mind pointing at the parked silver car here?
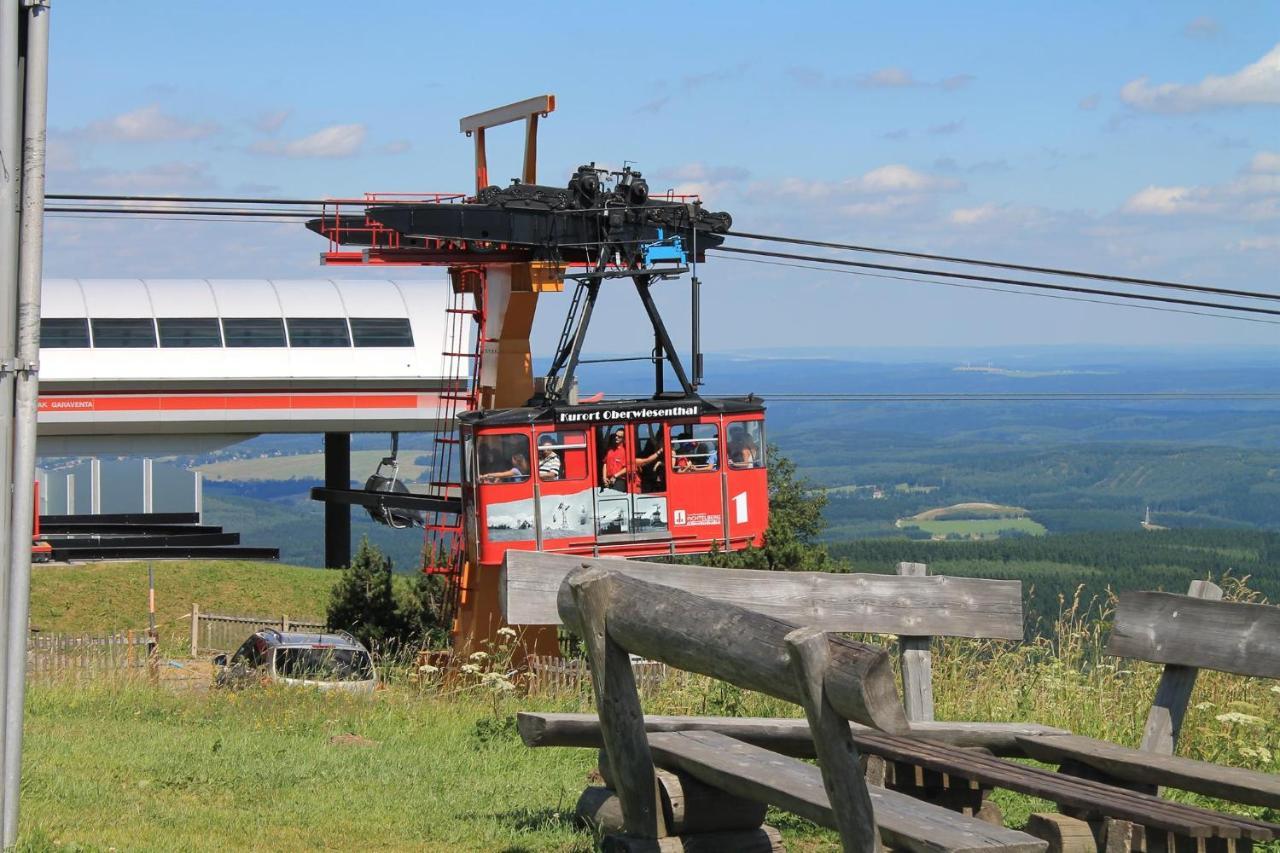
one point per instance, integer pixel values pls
(327, 661)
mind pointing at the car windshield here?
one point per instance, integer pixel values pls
(323, 663)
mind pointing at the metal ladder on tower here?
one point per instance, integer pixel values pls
(444, 549)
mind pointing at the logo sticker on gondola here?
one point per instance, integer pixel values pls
(648, 411)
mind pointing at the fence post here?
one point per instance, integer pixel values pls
(128, 649)
(284, 622)
(195, 629)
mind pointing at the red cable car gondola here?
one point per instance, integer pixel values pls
(639, 478)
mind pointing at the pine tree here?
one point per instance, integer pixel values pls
(363, 601)
(795, 522)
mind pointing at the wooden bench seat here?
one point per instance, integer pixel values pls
(1073, 792)
(789, 736)
(905, 823)
(1250, 787)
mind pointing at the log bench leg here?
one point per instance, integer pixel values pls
(1064, 834)
(942, 789)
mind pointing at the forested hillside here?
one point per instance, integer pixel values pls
(1051, 568)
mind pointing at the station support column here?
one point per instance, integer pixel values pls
(337, 517)
(506, 380)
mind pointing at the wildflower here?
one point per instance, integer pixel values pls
(1203, 706)
(428, 669)
(470, 669)
(1257, 752)
(497, 681)
(1275, 688)
(1243, 719)
(479, 656)
(509, 633)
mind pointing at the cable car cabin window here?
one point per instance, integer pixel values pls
(318, 332)
(694, 448)
(188, 332)
(381, 332)
(64, 333)
(253, 331)
(137, 333)
(745, 440)
(503, 458)
(650, 472)
(562, 456)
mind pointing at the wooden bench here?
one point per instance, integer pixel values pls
(1186, 633)
(910, 605)
(880, 600)
(835, 680)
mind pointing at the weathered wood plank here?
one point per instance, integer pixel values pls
(734, 644)
(837, 756)
(904, 823)
(880, 604)
(621, 718)
(1133, 765)
(1164, 718)
(690, 807)
(1229, 636)
(1067, 791)
(916, 659)
(788, 736)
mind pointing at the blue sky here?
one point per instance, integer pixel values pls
(1140, 139)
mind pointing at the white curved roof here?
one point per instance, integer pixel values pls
(421, 301)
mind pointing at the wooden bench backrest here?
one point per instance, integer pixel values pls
(870, 603)
(1187, 633)
(1229, 636)
(911, 604)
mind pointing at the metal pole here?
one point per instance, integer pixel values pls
(26, 397)
(10, 184)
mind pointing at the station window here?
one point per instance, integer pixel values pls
(132, 333)
(187, 332)
(381, 332)
(503, 458)
(253, 331)
(318, 332)
(562, 456)
(745, 440)
(64, 332)
(695, 447)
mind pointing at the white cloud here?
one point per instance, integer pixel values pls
(700, 179)
(270, 122)
(1202, 27)
(149, 124)
(888, 78)
(1264, 162)
(339, 140)
(1258, 83)
(1256, 244)
(397, 146)
(891, 77)
(896, 178)
(973, 215)
(1254, 194)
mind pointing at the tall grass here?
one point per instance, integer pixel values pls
(434, 763)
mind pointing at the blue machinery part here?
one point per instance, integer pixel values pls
(663, 251)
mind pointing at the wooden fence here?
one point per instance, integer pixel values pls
(212, 633)
(554, 675)
(86, 655)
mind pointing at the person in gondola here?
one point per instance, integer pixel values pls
(742, 449)
(549, 465)
(518, 471)
(614, 469)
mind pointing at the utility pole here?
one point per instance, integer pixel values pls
(26, 397)
(11, 81)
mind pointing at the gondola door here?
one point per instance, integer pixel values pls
(631, 501)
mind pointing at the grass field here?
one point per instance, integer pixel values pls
(308, 466)
(982, 527)
(970, 510)
(135, 767)
(98, 597)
